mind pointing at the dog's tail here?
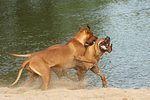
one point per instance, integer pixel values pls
(20, 55)
(20, 71)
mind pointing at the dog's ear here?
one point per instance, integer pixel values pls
(80, 27)
(88, 28)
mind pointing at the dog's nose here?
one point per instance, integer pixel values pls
(107, 38)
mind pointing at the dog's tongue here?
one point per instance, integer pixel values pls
(104, 47)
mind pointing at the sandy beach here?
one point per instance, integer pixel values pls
(67, 90)
(81, 94)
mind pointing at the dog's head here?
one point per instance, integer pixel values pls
(89, 35)
(104, 45)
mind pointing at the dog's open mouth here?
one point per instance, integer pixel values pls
(105, 44)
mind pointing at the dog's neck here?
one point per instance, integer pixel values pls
(80, 37)
(90, 51)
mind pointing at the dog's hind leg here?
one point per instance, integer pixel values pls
(96, 71)
(42, 70)
(46, 79)
(31, 78)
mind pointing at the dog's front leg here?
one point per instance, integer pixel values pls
(81, 74)
(95, 70)
(58, 72)
(64, 71)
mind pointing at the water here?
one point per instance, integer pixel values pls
(29, 26)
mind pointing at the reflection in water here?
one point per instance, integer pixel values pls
(29, 26)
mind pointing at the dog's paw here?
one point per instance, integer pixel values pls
(104, 86)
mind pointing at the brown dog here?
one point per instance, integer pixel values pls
(93, 52)
(40, 62)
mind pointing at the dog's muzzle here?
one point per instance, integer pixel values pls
(105, 44)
